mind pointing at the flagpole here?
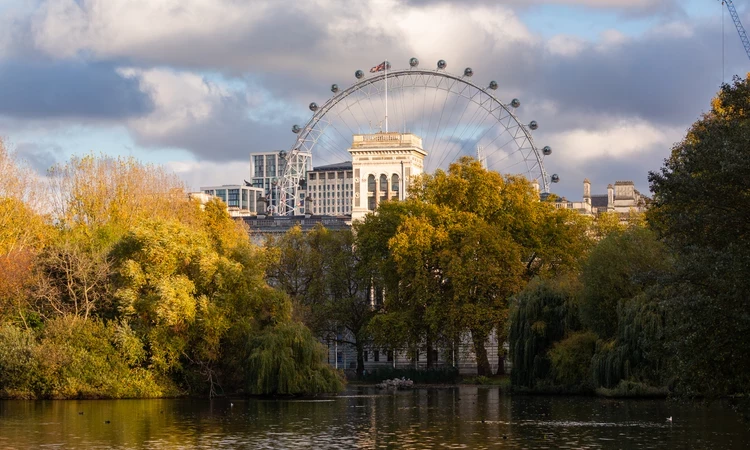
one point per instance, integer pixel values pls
(386, 95)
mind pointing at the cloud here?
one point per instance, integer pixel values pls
(209, 118)
(199, 174)
(56, 89)
(40, 157)
(222, 78)
(633, 7)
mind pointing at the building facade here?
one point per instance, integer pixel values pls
(329, 190)
(241, 200)
(383, 165)
(622, 198)
(266, 168)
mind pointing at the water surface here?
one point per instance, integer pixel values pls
(364, 417)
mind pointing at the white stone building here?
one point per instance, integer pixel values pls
(329, 190)
(622, 198)
(383, 165)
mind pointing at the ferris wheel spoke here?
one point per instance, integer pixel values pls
(456, 116)
(477, 128)
(458, 123)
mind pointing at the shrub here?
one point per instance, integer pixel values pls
(570, 359)
(18, 364)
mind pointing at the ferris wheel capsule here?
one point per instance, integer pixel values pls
(414, 62)
(334, 88)
(515, 103)
(296, 129)
(468, 72)
(442, 64)
(533, 125)
(493, 85)
(547, 150)
(313, 106)
(359, 74)
(555, 178)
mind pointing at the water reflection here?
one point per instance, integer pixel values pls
(465, 417)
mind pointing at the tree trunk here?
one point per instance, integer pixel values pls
(430, 362)
(500, 364)
(483, 363)
(501, 339)
(360, 360)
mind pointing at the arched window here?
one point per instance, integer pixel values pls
(371, 183)
(383, 183)
(395, 183)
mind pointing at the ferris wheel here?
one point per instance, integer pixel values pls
(453, 116)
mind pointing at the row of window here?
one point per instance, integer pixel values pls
(371, 185)
(376, 355)
(329, 187)
(329, 175)
(330, 195)
(332, 210)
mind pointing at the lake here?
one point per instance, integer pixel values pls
(472, 417)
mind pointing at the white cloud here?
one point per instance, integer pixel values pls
(618, 140)
(181, 100)
(197, 174)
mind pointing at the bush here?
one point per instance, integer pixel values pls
(570, 359)
(81, 359)
(18, 364)
(75, 358)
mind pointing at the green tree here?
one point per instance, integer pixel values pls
(621, 266)
(700, 211)
(329, 283)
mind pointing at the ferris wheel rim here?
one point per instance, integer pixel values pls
(309, 135)
(322, 110)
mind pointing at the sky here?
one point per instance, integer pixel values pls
(197, 85)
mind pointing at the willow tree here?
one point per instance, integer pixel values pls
(542, 315)
(700, 210)
(329, 283)
(286, 360)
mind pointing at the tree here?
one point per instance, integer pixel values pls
(466, 241)
(106, 195)
(329, 283)
(542, 315)
(620, 267)
(700, 211)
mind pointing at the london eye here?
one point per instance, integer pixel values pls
(452, 114)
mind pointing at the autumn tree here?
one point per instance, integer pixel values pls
(107, 194)
(461, 246)
(23, 233)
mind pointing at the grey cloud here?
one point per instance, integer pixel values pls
(42, 90)
(228, 134)
(605, 170)
(665, 80)
(39, 156)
